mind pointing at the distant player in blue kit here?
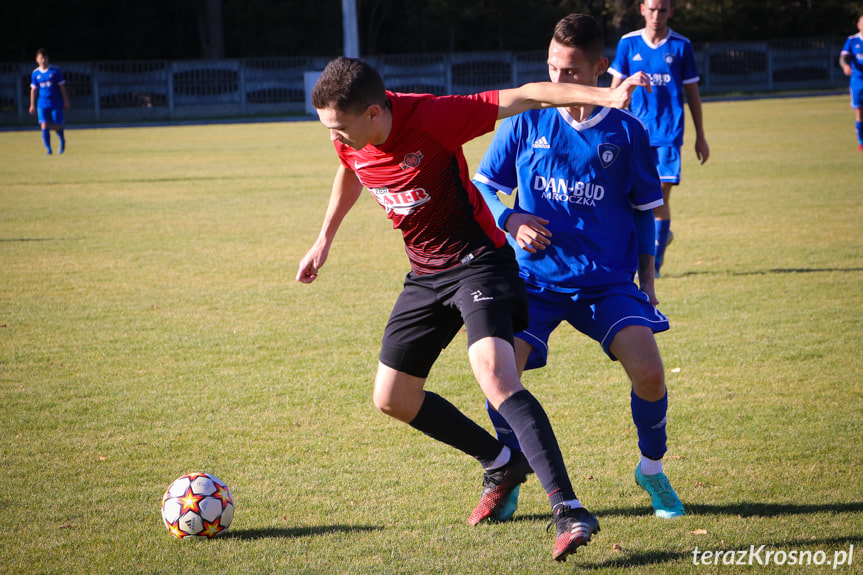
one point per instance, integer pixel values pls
(48, 97)
(669, 60)
(581, 226)
(851, 60)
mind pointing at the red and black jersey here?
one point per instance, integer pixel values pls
(420, 177)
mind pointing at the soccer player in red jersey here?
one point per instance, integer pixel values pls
(406, 149)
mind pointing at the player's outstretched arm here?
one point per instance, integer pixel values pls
(693, 99)
(647, 276)
(551, 95)
(346, 190)
(644, 233)
(845, 63)
(66, 104)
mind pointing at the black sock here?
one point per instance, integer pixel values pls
(539, 444)
(441, 420)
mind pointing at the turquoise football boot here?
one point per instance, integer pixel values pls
(665, 502)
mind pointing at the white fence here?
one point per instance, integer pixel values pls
(167, 90)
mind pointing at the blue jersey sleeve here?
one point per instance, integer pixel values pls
(499, 210)
(646, 192)
(498, 165)
(620, 65)
(689, 71)
(854, 48)
(848, 47)
(497, 170)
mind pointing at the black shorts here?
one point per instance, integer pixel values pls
(486, 295)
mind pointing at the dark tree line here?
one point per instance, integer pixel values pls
(184, 29)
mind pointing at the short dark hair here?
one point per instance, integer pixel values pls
(580, 31)
(348, 85)
(42, 51)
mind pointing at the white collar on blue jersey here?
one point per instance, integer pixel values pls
(598, 114)
(658, 44)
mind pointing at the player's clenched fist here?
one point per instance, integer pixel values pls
(623, 93)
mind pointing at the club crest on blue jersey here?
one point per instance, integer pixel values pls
(607, 154)
(669, 59)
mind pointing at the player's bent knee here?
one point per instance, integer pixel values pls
(389, 405)
(649, 384)
(400, 397)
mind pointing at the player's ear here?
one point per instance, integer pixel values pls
(374, 111)
(601, 66)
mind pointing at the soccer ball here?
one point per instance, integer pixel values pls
(197, 505)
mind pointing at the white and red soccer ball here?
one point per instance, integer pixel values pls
(197, 505)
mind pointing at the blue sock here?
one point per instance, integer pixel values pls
(46, 139)
(504, 431)
(859, 126)
(62, 140)
(662, 228)
(649, 419)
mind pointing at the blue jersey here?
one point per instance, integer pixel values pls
(48, 84)
(854, 47)
(585, 178)
(670, 65)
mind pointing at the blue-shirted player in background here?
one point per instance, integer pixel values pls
(48, 96)
(851, 60)
(669, 59)
(582, 225)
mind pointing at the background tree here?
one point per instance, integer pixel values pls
(180, 29)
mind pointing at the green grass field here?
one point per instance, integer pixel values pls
(150, 326)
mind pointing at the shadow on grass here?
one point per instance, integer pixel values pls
(747, 509)
(629, 559)
(636, 559)
(820, 542)
(760, 272)
(291, 532)
(626, 559)
(22, 240)
(742, 509)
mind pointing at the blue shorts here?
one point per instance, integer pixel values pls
(667, 160)
(856, 93)
(51, 115)
(599, 315)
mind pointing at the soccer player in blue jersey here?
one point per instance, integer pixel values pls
(406, 150)
(851, 60)
(581, 227)
(48, 97)
(669, 59)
